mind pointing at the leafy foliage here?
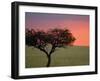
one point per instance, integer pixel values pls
(55, 37)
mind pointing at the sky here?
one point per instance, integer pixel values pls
(77, 24)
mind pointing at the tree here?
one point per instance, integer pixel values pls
(57, 38)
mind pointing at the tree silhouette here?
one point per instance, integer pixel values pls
(57, 38)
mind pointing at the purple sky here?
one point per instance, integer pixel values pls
(77, 24)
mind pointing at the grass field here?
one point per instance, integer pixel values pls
(69, 56)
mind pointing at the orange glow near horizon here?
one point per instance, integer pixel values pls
(80, 30)
(79, 26)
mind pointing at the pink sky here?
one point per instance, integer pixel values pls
(77, 24)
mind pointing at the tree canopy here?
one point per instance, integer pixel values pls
(55, 37)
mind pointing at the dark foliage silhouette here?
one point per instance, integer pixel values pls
(57, 38)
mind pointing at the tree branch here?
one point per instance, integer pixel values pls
(52, 49)
(41, 49)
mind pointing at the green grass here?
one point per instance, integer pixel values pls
(69, 56)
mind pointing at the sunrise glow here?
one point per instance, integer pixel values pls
(77, 24)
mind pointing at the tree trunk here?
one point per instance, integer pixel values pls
(49, 60)
(49, 56)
